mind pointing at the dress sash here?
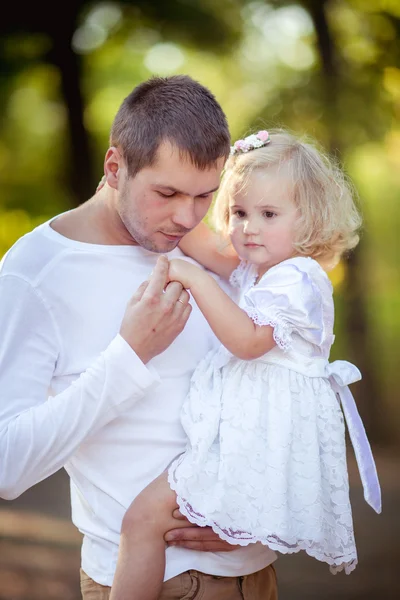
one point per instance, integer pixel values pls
(341, 374)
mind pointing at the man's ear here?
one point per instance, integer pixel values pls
(113, 162)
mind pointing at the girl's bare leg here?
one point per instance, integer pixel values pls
(141, 559)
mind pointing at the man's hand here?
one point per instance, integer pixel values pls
(156, 314)
(193, 537)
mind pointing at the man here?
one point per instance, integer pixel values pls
(93, 378)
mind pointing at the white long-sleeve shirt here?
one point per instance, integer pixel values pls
(73, 393)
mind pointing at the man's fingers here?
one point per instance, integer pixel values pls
(173, 292)
(182, 308)
(184, 297)
(178, 515)
(137, 296)
(178, 523)
(197, 534)
(158, 278)
(186, 313)
(205, 546)
(174, 523)
(194, 537)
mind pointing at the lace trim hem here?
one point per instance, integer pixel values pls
(346, 563)
(282, 330)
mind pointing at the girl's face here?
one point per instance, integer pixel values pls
(262, 220)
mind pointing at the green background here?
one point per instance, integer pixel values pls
(329, 69)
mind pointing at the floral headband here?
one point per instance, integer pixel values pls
(251, 142)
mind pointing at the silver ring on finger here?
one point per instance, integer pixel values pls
(181, 301)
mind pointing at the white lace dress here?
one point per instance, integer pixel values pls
(266, 457)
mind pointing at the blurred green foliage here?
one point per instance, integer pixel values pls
(328, 68)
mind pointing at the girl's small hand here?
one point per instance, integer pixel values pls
(183, 271)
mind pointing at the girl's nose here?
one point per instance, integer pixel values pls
(250, 227)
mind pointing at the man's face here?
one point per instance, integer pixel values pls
(163, 202)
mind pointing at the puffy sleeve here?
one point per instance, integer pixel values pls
(290, 301)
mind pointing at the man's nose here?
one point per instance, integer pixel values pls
(185, 215)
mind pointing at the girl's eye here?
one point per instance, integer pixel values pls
(240, 213)
(268, 214)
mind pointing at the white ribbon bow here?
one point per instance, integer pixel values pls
(341, 374)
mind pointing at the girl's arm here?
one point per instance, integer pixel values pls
(203, 245)
(232, 326)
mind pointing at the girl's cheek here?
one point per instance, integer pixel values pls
(231, 229)
(236, 240)
(235, 227)
(234, 234)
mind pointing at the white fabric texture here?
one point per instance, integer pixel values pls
(266, 459)
(75, 395)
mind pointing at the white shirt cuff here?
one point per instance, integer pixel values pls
(131, 377)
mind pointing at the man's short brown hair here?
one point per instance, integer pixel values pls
(175, 109)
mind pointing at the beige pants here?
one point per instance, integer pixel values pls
(192, 584)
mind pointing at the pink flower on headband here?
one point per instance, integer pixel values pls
(263, 135)
(240, 145)
(251, 142)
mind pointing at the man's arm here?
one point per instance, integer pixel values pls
(38, 434)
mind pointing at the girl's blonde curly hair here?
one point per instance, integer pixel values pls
(329, 219)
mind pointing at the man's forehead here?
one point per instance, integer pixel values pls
(168, 152)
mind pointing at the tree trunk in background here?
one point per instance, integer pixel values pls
(58, 22)
(81, 175)
(356, 320)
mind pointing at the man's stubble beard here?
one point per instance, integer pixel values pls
(137, 231)
(137, 228)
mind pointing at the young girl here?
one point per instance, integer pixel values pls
(266, 457)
